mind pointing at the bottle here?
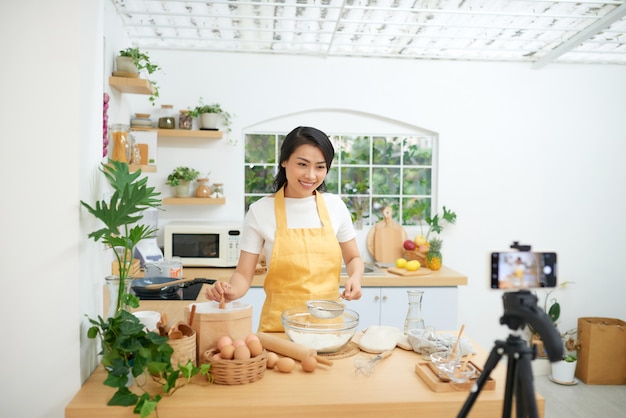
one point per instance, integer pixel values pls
(414, 319)
(166, 117)
(203, 189)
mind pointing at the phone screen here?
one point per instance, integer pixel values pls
(523, 270)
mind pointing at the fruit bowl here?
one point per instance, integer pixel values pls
(325, 335)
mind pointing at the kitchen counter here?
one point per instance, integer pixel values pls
(443, 277)
(394, 389)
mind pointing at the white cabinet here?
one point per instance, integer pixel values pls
(389, 306)
(255, 297)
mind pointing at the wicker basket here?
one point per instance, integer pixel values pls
(415, 255)
(236, 372)
(184, 350)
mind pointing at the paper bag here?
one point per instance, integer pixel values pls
(602, 353)
(210, 323)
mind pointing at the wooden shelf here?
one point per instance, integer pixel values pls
(143, 168)
(131, 85)
(193, 201)
(181, 133)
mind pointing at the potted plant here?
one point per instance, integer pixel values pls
(133, 60)
(180, 178)
(208, 115)
(128, 351)
(563, 371)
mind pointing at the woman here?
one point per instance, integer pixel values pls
(305, 234)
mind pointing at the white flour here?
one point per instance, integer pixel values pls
(320, 342)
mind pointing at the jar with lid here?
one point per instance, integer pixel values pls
(120, 141)
(218, 190)
(166, 117)
(203, 189)
(184, 120)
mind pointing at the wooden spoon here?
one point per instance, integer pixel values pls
(458, 338)
(223, 302)
(191, 315)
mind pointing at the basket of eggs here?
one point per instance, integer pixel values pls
(236, 362)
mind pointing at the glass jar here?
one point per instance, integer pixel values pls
(203, 189)
(414, 319)
(166, 117)
(184, 120)
(120, 141)
(218, 190)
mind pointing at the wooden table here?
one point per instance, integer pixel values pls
(393, 390)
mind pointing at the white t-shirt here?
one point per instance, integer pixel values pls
(259, 225)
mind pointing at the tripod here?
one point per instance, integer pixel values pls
(518, 306)
(519, 378)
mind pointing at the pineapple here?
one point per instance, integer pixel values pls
(433, 256)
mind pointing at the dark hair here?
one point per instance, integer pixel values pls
(300, 136)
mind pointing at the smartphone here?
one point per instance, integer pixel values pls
(523, 270)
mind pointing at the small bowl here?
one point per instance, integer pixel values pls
(443, 359)
(324, 335)
(460, 372)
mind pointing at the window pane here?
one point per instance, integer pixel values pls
(332, 180)
(385, 180)
(417, 181)
(259, 178)
(413, 210)
(386, 150)
(355, 180)
(355, 150)
(379, 203)
(418, 151)
(260, 148)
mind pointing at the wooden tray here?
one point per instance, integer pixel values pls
(422, 271)
(424, 370)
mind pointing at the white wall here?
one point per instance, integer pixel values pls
(530, 155)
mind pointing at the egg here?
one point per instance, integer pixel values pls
(272, 358)
(242, 353)
(224, 341)
(309, 364)
(252, 337)
(255, 348)
(238, 343)
(217, 357)
(285, 364)
(228, 352)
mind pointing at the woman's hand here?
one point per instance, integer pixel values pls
(352, 289)
(218, 290)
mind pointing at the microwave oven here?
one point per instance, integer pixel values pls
(202, 244)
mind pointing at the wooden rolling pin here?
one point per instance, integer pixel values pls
(289, 348)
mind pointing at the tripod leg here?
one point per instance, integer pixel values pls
(526, 401)
(490, 364)
(511, 377)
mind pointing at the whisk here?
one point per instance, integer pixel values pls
(365, 365)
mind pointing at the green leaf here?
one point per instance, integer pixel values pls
(554, 312)
(123, 397)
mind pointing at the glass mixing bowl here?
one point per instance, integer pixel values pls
(325, 335)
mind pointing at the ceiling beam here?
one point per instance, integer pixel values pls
(582, 36)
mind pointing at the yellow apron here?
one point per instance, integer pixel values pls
(305, 265)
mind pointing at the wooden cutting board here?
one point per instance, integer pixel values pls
(384, 241)
(422, 271)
